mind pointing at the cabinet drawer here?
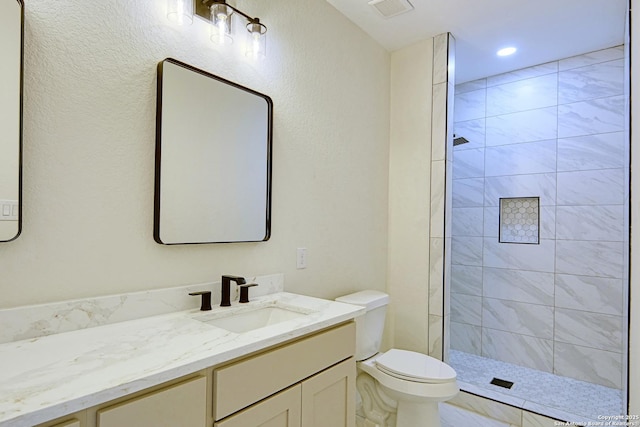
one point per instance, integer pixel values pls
(183, 405)
(70, 423)
(76, 420)
(243, 383)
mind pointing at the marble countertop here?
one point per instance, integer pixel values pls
(48, 377)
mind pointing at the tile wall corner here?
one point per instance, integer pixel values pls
(441, 197)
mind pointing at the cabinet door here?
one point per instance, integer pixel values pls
(328, 398)
(182, 405)
(281, 410)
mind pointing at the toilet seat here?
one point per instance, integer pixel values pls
(416, 367)
(410, 388)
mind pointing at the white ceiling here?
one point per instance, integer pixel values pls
(542, 30)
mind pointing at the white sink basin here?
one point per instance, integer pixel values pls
(252, 318)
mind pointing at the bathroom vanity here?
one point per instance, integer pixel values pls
(179, 369)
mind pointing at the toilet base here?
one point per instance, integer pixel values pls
(417, 414)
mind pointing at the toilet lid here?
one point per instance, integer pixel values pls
(413, 366)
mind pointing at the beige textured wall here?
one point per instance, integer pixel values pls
(89, 113)
(409, 195)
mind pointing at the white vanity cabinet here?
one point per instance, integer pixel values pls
(308, 382)
(325, 399)
(316, 375)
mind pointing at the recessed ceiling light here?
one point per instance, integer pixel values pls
(506, 51)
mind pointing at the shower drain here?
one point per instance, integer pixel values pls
(502, 383)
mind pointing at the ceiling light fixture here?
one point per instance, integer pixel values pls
(506, 51)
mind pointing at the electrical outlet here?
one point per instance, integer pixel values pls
(8, 210)
(301, 258)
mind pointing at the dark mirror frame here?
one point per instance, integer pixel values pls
(158, 160)
(20, 126)
(21, 2)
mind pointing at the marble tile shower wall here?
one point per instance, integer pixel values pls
(554, 131)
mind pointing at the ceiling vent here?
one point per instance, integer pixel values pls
(389, 8)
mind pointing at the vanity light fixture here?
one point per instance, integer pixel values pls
(180, 12)
(221, 14)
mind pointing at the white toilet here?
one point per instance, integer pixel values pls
(415, 381)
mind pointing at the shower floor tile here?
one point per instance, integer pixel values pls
(542, 392)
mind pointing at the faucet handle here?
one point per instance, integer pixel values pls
(206, 299)
(244, 291)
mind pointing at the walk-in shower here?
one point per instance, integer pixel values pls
(540, 236)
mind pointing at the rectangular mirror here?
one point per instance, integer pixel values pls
(213, 159)
(11, 30)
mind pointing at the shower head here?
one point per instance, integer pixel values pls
(459, 140)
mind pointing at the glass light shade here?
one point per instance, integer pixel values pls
(256, 40)
(221, 23)
(180, 12)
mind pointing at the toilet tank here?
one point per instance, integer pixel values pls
(369, 326)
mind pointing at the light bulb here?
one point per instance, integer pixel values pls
(256, 40)
(222, 27)
(256, 44)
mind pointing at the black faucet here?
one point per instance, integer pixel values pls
(225, 301)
